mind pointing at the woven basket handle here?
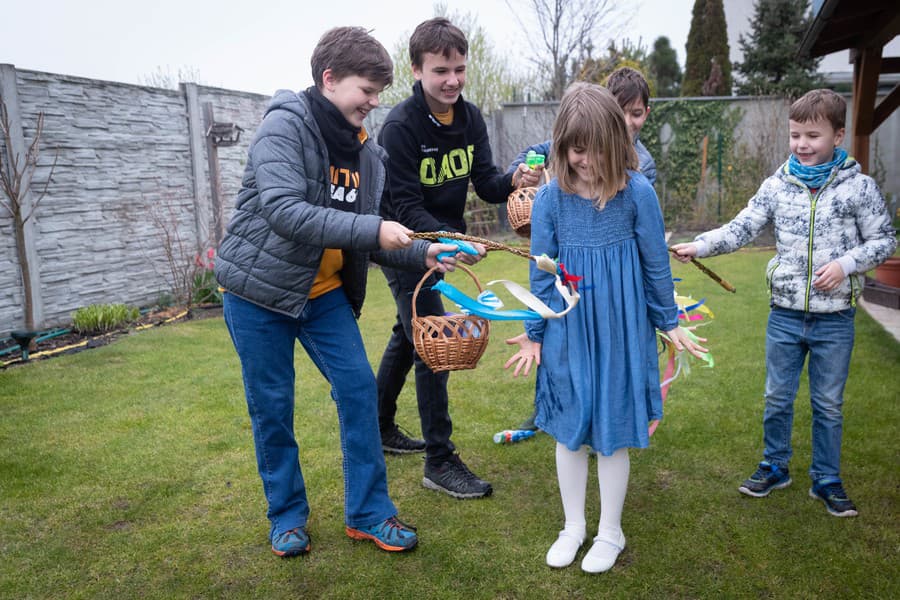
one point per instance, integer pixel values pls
(428, 274)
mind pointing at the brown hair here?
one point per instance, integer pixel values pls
(349, 51)
(589, 117)
(627, 85)
(437, 36)
(820, 104)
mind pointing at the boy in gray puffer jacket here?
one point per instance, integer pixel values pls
(831, 226)
(293, 263)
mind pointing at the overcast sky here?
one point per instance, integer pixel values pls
(257, 45)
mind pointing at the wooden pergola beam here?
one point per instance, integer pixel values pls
(888, 104)
(866, 69)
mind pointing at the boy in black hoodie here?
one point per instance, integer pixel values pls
(437, 143)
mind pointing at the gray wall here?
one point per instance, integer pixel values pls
(122, 152)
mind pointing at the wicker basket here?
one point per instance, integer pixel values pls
(449, 342)
(518, 210)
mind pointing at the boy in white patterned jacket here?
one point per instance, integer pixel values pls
(831, 226)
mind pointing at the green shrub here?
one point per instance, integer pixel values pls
(206, 288)
(100, 318)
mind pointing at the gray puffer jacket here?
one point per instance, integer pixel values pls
(282, 221)
(846, 221)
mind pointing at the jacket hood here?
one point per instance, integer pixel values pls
(288, 100)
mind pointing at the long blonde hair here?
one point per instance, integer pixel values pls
(589, 117)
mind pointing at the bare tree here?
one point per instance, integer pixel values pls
(183, 265)
(568, 31)
(489, 82)
(167, 79)
(15, 183)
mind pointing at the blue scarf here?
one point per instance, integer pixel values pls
(816, 176)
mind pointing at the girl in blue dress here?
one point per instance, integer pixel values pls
(598, 386)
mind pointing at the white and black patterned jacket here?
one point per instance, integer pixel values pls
(846, 220)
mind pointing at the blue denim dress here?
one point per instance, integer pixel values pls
(598, 382)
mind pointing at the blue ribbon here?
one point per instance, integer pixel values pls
(474, 307)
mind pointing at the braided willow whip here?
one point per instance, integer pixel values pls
(492, 245)
(488, 244)
(710, 273)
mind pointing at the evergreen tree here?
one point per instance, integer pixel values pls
(771, 64)
(707, 59)
(664, 68)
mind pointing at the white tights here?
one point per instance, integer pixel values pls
(612, 474)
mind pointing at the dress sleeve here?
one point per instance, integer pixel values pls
(655, 270)
(543, 241)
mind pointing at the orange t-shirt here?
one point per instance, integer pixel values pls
(342, 185)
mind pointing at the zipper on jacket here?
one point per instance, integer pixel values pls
(809, 244)
(769, 276)
(809, 247)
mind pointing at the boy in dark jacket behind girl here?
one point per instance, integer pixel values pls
(293, 263)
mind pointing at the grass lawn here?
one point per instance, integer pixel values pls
(128, 471)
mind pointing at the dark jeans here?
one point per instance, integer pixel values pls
(400, 356)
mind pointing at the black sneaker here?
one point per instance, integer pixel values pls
(830, 491)
(453, 477)
(768, 477)
(396, 441)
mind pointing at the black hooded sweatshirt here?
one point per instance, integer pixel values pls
(431, 164)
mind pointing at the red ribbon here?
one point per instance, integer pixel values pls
(573, 279)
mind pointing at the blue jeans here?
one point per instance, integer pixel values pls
(328, 331)
(828, 340)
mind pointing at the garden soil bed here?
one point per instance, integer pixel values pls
(72, 341)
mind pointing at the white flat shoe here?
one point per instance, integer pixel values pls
(563, 551)
(603, 554)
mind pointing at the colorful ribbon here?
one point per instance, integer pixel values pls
(565, 285)
(679, 363)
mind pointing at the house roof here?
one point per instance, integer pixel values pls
(850, 24)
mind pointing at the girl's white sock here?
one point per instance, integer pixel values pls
(572, 472)
(612, 473)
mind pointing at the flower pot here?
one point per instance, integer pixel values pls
(888, 272)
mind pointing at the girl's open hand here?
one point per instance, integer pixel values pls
(683, 341)
(529, 352)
